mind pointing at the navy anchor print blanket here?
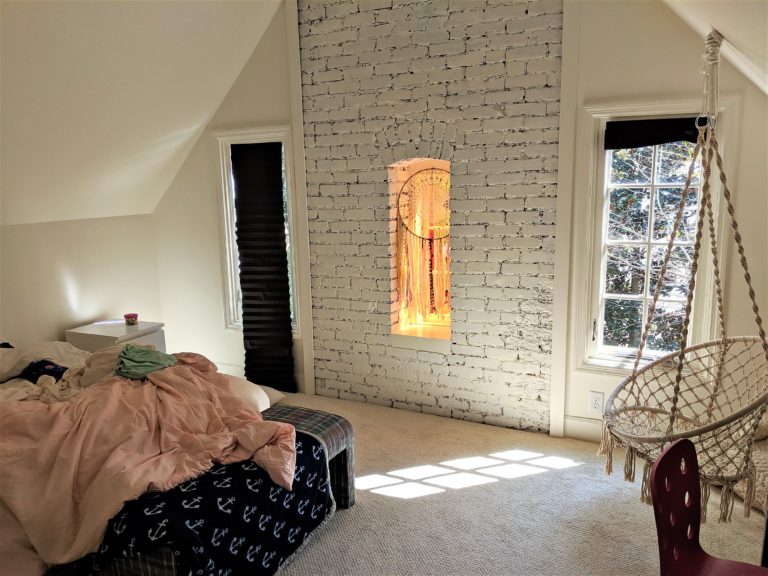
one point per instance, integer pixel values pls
(232, 520)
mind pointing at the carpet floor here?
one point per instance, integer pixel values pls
(539, 506)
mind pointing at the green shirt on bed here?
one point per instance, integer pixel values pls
(135, 362)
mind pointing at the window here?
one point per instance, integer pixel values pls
(233, 295)
(643, 189)
(643, 170)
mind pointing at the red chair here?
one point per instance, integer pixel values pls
(676, 498)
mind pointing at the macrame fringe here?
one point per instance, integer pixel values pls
(749, 496)
(704, 499)
(749, 490)
(726, 503)
(629, 465)
(606, 449)
(645, 489)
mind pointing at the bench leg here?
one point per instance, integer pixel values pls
(343, 477)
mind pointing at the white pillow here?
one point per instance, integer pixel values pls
(250, 393)
(275, 396)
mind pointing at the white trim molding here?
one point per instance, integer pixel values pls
(300, 217)
(587, 265)
(225, 141)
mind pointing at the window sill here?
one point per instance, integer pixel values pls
(441, 345)
(432, 331)
(232, 327)
(614, 364)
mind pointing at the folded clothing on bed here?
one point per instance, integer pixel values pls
(137, 363)
(69, 467)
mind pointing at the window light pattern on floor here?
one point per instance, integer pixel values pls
(417, 481)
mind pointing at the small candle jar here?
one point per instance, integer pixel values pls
(131, 319)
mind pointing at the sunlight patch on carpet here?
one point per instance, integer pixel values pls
(517, 455)
(555, 462)
(374, 481)
(512, 470)
(408, 490)
(460, 480)
(455, 474)
(471, 463)
(420, 472)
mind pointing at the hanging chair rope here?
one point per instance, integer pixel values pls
(714, 393)
(739, 244)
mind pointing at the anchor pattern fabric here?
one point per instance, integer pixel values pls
(231, 520)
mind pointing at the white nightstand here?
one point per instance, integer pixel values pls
(110, 332)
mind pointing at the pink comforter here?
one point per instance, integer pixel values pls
(67, 468)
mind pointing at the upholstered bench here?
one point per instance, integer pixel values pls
(339, 438)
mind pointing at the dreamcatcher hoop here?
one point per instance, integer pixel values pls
(422, 204)
(713, 393)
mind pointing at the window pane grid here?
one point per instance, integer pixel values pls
(646, 204)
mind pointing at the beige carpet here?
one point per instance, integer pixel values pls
(571, 520)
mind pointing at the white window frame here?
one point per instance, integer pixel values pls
(704, 314)
(225, 140)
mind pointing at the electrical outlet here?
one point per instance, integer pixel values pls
(595, 401)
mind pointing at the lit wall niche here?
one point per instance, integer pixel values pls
(419, 192)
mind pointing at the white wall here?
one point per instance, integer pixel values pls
(60, 275)
(188, 218)
(610, 58)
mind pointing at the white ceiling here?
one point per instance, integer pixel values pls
(743, 23)
(102, 101)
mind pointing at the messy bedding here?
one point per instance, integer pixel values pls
(167, 457)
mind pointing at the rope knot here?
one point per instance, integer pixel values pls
(712, 44)
(712, 61)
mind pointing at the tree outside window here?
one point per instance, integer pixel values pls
(644, 187)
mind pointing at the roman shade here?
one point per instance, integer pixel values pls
(257, 171)
(638, 133)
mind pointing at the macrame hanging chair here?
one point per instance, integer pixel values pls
(714, 393)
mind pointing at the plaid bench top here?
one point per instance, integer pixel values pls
(339, 438)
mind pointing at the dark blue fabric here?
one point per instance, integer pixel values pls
(231, 520)
(42, 368)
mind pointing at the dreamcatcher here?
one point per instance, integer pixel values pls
(423, 226)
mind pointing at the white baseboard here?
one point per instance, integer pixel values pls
(590, 429)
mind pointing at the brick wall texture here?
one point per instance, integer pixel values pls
(474, 82)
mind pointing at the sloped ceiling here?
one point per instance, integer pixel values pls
(102, 101)
(743, 23)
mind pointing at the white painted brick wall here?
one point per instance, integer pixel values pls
(475, 82)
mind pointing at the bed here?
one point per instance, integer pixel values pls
(209, 488)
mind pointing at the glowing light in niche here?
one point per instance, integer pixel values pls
(423, 249)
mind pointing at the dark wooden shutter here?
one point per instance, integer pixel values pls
(260, 231)
(638, 133)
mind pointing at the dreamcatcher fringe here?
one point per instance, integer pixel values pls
(423, 277)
